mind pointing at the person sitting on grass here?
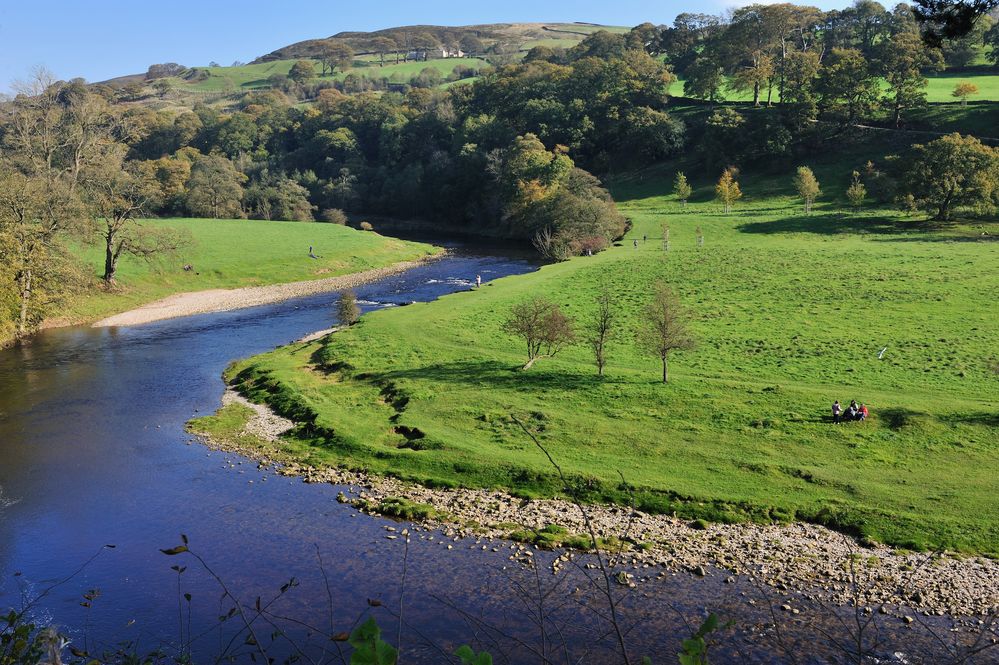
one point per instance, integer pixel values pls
(862, 413)
(851, 411)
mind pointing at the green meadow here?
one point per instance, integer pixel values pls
(229, 253)
(255, 76)
(791, 312)
(938, 88)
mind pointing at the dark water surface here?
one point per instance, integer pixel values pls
(93, 452)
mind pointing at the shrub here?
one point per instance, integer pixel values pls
(366, 226)
(333, 216)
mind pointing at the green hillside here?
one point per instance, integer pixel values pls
(791, 312)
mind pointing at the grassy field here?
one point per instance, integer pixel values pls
(791, 312)
(938, 89)
(239, 252)
(254, 77)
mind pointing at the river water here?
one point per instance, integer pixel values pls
(93, 453)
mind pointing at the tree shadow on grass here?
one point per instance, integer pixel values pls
(495, 374)
(982, 418)
(835, 224)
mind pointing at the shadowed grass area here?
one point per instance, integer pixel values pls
(791, 312)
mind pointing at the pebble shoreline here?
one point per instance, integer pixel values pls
(224, 300)
(790, 559)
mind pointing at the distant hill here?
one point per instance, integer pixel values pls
(514, 36)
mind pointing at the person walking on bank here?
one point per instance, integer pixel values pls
(837, 412)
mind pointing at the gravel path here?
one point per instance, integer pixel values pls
(223, 300)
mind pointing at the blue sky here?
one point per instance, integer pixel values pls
(100, 39)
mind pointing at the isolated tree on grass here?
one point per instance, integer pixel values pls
(807, 187)
(856, 192)
(116, 196)
(302, 71)
(382, 46)
(335, 55)
(543, 327)
(601, 328)
(963, 90)
(727, 190)
(347, 309)
(664, 326)
(952, 171)
(682, 188)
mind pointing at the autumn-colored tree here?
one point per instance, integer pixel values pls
(542, 325)
(302, 71)
(334, 54)
(682, 188)
(727, 190)
(664, 326)
(382, 46)
(963, 90)
(807, 186)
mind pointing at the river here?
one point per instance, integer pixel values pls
(93, 452)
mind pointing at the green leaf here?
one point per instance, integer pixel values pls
(369, 648)
(180, 549)
(469, 657)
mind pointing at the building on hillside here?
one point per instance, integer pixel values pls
(447, 52)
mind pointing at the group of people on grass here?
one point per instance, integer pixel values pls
(855, 411)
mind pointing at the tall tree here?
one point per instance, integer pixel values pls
(705, 80)
(904, 59)
(847, 87)
(116, 196)
(215, 188)
(664, 326)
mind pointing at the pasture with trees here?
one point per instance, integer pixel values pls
(532, 151)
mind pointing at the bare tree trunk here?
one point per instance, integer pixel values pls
(665, 370)
(22, 319)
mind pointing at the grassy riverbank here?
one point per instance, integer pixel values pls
(235, 253)
(791, 312)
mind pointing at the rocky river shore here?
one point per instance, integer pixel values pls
(792, 562)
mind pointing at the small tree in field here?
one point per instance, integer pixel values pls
(727, 190)
(543, 327)
(807, 186)
(963, 90)
(682, 189)
(664, 326)
(601, 328)
(856, 192)
(347, 309)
